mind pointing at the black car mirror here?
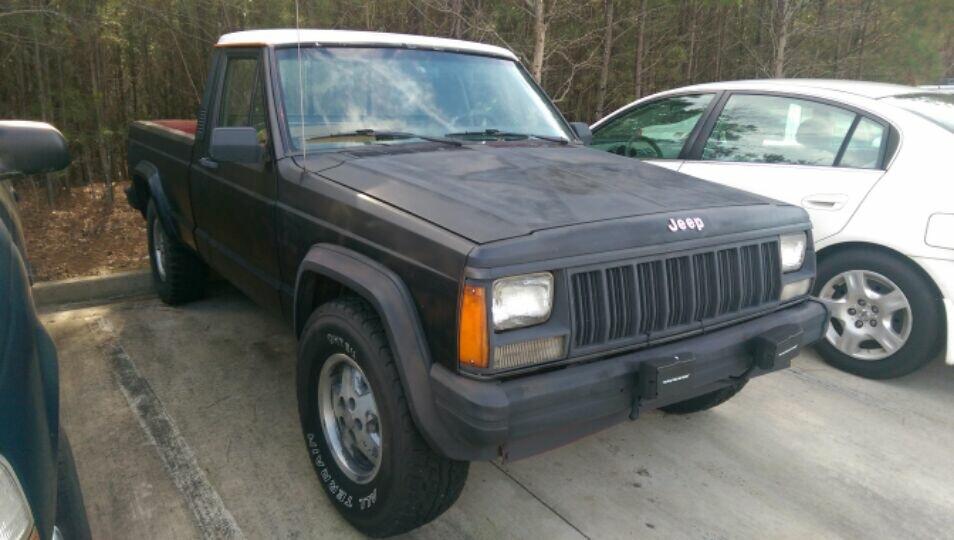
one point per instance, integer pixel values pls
(582, 131)
(235, 145)
(31, 148)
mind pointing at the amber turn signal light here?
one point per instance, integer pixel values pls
(472, 340)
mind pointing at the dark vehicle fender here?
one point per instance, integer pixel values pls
(389, 296)
(147, 184)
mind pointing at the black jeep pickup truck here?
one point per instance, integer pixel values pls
(466, 279)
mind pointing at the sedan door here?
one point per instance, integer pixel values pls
(823, 157)
(659, 131)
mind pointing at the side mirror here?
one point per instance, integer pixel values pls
(235, 145)
(31, 148)
(582, 131)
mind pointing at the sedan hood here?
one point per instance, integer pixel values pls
(487, 193)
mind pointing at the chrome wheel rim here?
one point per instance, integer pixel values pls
(159, 247)
(870, 316)
(349, 418)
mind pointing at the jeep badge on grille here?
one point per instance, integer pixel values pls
(687, 223)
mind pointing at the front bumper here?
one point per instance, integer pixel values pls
(527, 415)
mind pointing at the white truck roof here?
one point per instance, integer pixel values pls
(291, 36)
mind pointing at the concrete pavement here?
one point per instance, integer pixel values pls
(809, 452)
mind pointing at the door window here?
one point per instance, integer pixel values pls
(864, 148)
(772, 129)
(656, 130)
(243, 101)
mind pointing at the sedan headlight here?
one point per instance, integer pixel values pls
(792, 248)
(522, 300)
(16, 519)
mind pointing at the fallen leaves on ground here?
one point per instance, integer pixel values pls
(82, 234)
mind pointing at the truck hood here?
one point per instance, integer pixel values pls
(487, 193)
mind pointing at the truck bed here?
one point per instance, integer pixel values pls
(185, 126)
(167, 144)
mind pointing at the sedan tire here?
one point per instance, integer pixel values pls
(884, 314)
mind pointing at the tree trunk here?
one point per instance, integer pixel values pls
(457, 12)
(607, 55)
(539, 39)
(640, 51)
(100, 139)
(43, 91)
(723, 17)
(782, 15)
(691, 57)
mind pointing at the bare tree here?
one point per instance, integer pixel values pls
(539, 37)
(607, 56)
(640, 51)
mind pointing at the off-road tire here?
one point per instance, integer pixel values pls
(926, 336)
(705, 401)
(414, 484)
(185, 273)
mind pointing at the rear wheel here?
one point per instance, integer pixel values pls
(177, 272)
(884, 314)
(372, 462)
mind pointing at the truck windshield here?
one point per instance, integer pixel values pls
(412, 91)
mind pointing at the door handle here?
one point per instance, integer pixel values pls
(825, 201)
(208, 163)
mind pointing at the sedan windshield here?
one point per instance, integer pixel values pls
(350, 94)
(936, 107)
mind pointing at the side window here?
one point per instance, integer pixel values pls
(864, 147)
(771, 129)
(243, 103)
(656, 130)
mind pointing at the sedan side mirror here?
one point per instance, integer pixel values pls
(235, 145)
(31, 148)
(582, 131)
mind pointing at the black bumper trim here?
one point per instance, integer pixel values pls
(524, 416)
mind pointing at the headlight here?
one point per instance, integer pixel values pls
(522, 300)
(792, 247)
(16, 519)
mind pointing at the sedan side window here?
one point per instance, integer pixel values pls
(864, 148)
(771, 129)
(656, 130)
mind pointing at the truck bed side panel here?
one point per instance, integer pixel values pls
(170, 151)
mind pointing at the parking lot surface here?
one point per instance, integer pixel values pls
(184, 424)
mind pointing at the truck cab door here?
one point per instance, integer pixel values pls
(234, 204)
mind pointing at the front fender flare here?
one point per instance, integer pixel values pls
(389, 296)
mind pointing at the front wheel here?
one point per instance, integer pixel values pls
(884, 317)
(371, 460)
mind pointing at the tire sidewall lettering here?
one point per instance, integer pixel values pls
(351, 496)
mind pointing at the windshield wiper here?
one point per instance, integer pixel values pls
(497, 134)
(384, 135)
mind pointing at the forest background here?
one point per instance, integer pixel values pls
(92, 66)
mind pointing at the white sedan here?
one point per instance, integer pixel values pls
(873, 164)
